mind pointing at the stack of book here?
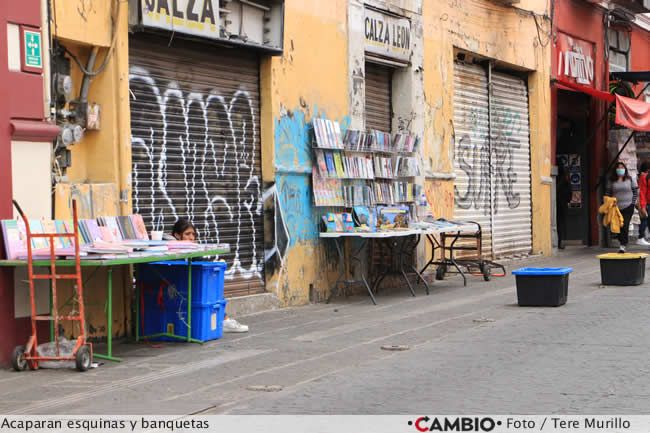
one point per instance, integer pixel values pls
(106, 237)
(335, 165)
(403, 192)
(357, 141)
(406, 166)
(358, 195)
(327, 192)
(381, 142)
(384, 167)
(328, 134)
(406, 143)
(384, 193)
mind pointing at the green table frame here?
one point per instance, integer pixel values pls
(109, 264)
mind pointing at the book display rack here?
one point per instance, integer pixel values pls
(359, 168)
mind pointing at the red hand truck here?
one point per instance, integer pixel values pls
(82, 354)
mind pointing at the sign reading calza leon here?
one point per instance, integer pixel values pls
(387, 35)
(194, 17)
(575, 61)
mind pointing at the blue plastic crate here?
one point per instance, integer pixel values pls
(207, 279)
(207, 321)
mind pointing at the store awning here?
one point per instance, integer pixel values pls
(598, 94)
(633, 77)
(632, 113)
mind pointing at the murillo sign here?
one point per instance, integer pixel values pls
(387, 35)
(194, 17)
(575, 61)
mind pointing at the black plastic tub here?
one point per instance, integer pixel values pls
(542, 287)
(627, 269)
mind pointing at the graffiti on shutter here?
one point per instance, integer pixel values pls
(195, 146)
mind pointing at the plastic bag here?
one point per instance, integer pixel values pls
(66, 347)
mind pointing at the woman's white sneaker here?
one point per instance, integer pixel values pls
(231, 325)
(643, 242)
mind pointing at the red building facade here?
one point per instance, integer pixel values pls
(22, 115)
(589, 42)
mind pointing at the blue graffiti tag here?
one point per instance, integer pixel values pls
(293, 163)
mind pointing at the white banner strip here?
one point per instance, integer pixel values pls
(328, 424)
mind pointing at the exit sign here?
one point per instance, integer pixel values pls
(32, 49)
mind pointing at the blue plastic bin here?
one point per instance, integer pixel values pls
(207, 321)
(207, 278)
(542, 287)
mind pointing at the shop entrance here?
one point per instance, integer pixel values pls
(573, 157)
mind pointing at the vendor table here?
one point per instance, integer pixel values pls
(400, 243)
(395, 240)
(109, 264)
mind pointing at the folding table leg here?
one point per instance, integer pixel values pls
(339, 251)
(432, 241)
(400, 262)
(363, 268)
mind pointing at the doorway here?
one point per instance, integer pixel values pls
(573, 159)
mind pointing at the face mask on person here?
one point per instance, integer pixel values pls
(620, 171)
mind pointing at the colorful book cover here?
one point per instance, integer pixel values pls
(348, 223)
(127, 227)
(330, 222)
(50, 227)
(111, 223)
(397, 215)
(140, 228)
(340, 171)
(36, 227)
(322, 165)
(321, 136)
(84, 235)
(14, 240)
(61, 228)
(93, 230)
(337, 135)
(331, 170)
(107, 234)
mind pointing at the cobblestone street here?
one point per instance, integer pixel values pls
(471, 350)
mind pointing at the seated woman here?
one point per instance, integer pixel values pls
(184, 230)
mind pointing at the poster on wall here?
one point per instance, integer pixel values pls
(572, 162)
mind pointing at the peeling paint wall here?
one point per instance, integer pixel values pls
(101, 161)
(310, 80)
(510, 37)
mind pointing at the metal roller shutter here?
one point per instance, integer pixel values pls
(196, 148)
(512, 222)
(492, 159)
(473, 189)
(378, 97)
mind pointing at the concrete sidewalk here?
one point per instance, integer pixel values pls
(327, 347)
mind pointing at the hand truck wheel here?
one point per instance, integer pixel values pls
(18, 361)
(487, 272)
(83, 359)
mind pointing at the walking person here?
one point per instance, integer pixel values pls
(624, 188)
(644, 202)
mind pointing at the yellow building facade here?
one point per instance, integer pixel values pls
(240, 117)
